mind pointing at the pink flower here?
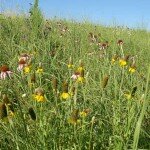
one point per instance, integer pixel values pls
(5, 72)
(21, 64)
(75, 76)
(24, 57)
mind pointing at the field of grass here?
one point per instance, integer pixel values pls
(73, 86)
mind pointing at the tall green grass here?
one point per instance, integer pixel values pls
(112, 120)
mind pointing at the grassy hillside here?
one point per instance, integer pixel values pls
(68, 85)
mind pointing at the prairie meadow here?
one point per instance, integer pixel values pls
(66, 85)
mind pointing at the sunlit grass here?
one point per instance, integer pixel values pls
(66, 85)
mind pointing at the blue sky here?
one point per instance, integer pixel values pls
(132, 13)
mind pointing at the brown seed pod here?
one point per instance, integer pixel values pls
(32, 113)
(39, 91)
(105, 81)
(133, 91)
(54, 83)
(65, 87)
(3, 111)
(33, 78)
(126, 58)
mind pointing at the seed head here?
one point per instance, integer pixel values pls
(32, 113)
(3, 111)
(105, 81)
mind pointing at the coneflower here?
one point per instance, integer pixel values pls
(5, 72)
(24, 57)
(32, 113)
(120, 42)
(21, 64)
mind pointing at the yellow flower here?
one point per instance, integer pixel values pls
(113, 61)
(74, 121)
(81, 79)
(128, 96)
(70, 66)
(65, 95)
(122, 62)
(27, 69)
(74, 117)
(114, 58)
(83, 114)
(39, 98)
(39, 70)
(80, 69)
(132, 69)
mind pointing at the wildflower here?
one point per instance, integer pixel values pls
(103, 45)
(21, 64)
(114, 58)
(120, 42)
(132, 68)
(70, 66)
(5, 72)
(132, 94)
(128, 95)
(92, 38)
(81, 78)
(24, 57)
(75, 76)
(80, 68)
(27, 69)
(105, 81)
(39, 95)
(74, 118)
(122, 62)
(70, 63)
(40, 69)
(32, 113)
(65, 95)
(84, 113)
